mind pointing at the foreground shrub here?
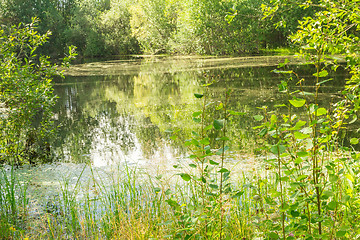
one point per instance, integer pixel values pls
(27, 96)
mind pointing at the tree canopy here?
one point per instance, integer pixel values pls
(112, 27)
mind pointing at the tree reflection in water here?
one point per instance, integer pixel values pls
(118, 111)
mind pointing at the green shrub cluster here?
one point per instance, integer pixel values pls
(26, 95)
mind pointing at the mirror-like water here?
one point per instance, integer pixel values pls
(118, 111)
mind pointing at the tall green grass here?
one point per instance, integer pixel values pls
(130, 204)
(127, 205)
(13, 204)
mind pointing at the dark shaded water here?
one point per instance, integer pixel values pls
(118, 111)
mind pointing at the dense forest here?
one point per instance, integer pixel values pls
(117, 27)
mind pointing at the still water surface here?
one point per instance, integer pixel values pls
(118, 111)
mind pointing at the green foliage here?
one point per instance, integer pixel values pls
(219, 27)
(110, 27)
(51, 13)
(26, 95)
(314, 192)
(13, 203)
(83, 29)
(116, 30)
(153, 23)
(211, 190)
(285, 16)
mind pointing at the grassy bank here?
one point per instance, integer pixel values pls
(130, 204)
(126, 205)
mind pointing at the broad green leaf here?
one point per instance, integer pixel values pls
(350, 177)
(333, 178)
(306, 93)
(185, 176)
(257, 198)
(207, 84)
(320, 111)
(194, 142)
(172, 203)
(273, 119)
(218, 124)
(197, 120)
(208, 127)
(196, 114)
(284, 179)
(278, 149)
(238, 194)
(187, 143)
(203, 179)
(195, 133)
(282, 86)
(354, 141)
(298, 125)
(328, 194)
(301, 177)
(340, 233)
(281, 65)
(192, 165)
(213, 162)
(223, 139)
(166, 223)
(205, 141)
(258, 117)
(331, 205)
(223, 170)
(297, 102)
(299, 135)
(321, 74)
(213, 186)
(198, 95)
(354, 119)
(273, 235)
(284, 207)
(263, 132)
(313, 108)
(302, 154)
(298, 160)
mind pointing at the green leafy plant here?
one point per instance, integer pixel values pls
(314, 175)
(13, 203)
(211, 191)
(26, 96)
